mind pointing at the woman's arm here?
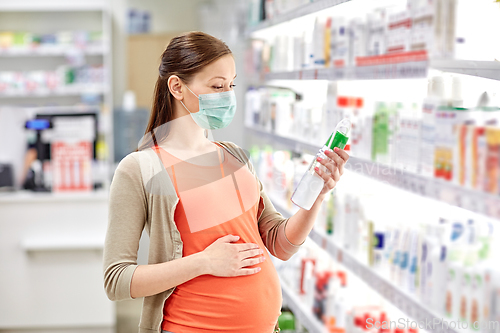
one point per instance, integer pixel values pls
(153, 279)
(284, 236)
(126, 220)
(221, 258)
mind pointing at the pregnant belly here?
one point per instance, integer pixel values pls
(250, 303)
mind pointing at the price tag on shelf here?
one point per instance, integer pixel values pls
(315, 236)
(476, 203)
(331, 249)
(384, 289)
(405, 182)
(448, 194)
(420, 186)
(323, 243)
(408, 307)
(340, 258)
(339, 73)
(398, 301)
(411, 310)
(376, 282)
(347, 260)
(392, 295)
(364, 270)
(436, 191)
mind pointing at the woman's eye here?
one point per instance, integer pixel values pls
(220, 87)
(232, 86)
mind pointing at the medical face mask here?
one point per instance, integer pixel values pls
(216, 110)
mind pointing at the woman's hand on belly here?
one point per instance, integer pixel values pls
(225, 259)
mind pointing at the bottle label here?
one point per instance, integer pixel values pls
(339, 140)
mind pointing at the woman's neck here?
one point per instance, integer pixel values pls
(185, 134)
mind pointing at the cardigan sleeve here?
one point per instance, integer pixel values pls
(271, 223)
(126, 220)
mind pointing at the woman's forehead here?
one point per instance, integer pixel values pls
(221, 68)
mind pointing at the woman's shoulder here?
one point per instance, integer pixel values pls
(235, 149)
(145, 167)
(134, 161)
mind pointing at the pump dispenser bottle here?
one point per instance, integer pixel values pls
(311, 184)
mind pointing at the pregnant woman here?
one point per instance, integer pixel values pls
(208, 218)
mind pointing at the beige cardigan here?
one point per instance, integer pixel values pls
(142, 196)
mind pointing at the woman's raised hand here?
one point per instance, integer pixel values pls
(222, 258)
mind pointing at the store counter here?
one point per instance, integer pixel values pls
(51, 255)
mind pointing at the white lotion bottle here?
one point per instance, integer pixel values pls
(311, 184)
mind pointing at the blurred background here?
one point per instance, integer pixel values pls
(408, 236)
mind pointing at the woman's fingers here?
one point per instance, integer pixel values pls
(339, 161)
(243, 247)
(336, 175)
(250, 253)
(329, 164)
(344, 156)
(329, 178)
(252, 261)
(342, 153)
(248, 271)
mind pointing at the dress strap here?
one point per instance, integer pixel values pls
(220, 161)
(174, 180)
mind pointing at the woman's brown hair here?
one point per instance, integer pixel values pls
(184, 56)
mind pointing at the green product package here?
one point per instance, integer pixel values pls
(286, 321)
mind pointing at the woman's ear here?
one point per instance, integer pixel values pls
(175, 86)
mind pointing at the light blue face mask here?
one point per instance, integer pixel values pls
(216, 110)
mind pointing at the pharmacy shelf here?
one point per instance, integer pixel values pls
(288, 142)
(304, 316)
(404, 70)
(52, 51)
(398, 70)
(401, 299)
(296, 13)
(70, 90)
(63, 244)
(485, 69)
(438, 189)
(53, 6)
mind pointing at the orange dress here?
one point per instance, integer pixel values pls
(215, 201)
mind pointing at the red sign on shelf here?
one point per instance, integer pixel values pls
(72, 166)
(392, 58)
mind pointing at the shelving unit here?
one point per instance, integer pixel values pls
(401, 70)
(70, 90)
(304, 316)
(72, 256)
(296, 13)
(476, 201)
(410, 65)
(401, 66)
(403, 300)
(52, 51)
(53, 17)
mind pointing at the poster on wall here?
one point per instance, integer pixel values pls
(72, 166)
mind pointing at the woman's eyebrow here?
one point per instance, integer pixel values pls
(222, 77)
